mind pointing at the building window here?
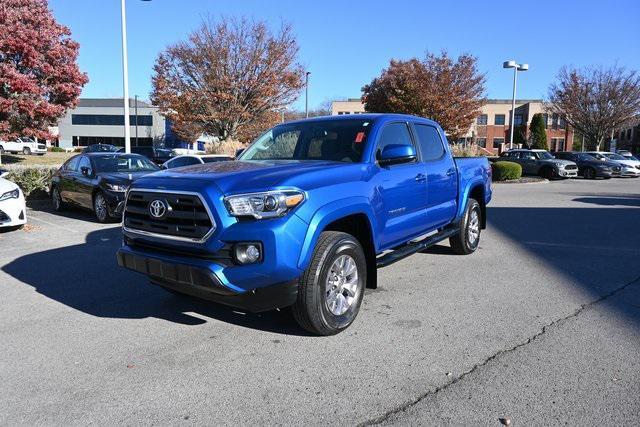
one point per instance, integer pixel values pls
(555, 120)
(552, 144)
(481, 142)
(560, 144)
(482, 119)
(110, 120)
(628, 133)
(497, 142)
(545, 118)
(562, 124)
(517, 120)
(499, 119)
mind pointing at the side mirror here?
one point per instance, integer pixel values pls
(86, 171)
(163, 166)
(394, 154)
(239, 151)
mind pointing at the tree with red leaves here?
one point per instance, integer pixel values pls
(39, 76)
(230, 79)
(450, 92)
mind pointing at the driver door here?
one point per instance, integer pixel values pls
(529, 163)
(402, 189)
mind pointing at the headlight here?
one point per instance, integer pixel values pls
(116, 187)
(269, 204)
(13, 194)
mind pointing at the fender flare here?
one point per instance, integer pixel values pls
(330, 213)
(464, 197)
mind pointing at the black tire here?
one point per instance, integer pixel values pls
(56, 199)
(100, 208)
(312, 309)
(26, 151)
(590, 173)
(547, 172)
(464, 242)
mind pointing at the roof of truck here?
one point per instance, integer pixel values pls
(365, 116)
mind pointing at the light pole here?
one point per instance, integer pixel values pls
(125, 80)
(516, 67)
(306, 94)
(135, 106)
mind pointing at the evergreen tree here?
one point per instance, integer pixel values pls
(538, 133)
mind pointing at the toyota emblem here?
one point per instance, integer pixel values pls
(158, 208)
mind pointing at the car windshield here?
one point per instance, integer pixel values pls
(613, 156)
(544, 155)
(584, 157)
(336, 140)
(127, 163)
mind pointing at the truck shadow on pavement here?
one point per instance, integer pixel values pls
(596, 249)
(86, 277)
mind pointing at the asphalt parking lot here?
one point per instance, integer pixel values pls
(541, 325)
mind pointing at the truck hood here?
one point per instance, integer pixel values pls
(234, 177)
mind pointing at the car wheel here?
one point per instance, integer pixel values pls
(468, 239)
(590, 173)
(547, 173)
(26, 151)
(1, 149)
(100, 207)
(331, 289)
(56, 199)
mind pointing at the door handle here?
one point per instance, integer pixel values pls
(420, 177)
(451, 172)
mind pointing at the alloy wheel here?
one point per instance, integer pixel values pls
(342, 285)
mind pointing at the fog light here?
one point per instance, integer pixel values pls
(247, 253)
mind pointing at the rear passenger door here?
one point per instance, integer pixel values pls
(67, 183)
(442, 176)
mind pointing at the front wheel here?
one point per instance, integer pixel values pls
(467, 240)
(331, 289)
(100, 208)
(590, 173)
(56, 199)
(26, 151)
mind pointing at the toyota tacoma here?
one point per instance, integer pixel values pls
(306, 215)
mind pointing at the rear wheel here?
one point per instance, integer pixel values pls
(467, 240)
(331, 289)
(100, 208)
(590, 173)
(56, 199)
(26, 151)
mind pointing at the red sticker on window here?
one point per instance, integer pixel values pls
(359, 137)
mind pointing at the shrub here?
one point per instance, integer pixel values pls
(504, 171)
(57, 150)
(33, 180)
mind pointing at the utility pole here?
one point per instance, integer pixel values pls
(516, 67)
(125, 79)
(135, 106)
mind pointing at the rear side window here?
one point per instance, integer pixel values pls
(183, 161)
(72, 165)
(430, 142)
(393, 134)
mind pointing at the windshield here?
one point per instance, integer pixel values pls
(613, 156)
(585, 157)
(335, 140)
(128, 163)
(544, 155)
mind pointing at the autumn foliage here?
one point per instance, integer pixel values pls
(437, 87)
(229, 79)
(39, 76)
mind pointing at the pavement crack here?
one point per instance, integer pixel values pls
(403, 407)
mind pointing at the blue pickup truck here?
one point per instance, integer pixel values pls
(306, 215)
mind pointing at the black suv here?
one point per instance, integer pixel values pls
(589, 167)
(157, 155)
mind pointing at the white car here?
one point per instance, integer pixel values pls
(13, 210)
(23, 145)
(194, 159)
(630, 167)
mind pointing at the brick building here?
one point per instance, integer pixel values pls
(491, 128)
(628, 137)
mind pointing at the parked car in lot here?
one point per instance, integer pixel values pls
(13, 210)
(541, 162)
(306, 215)
(589, 167)
(630, 168)
(156, 155)
(23, 145)
(97, 181)
(194, 159)
(101, 148)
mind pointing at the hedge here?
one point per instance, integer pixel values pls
(504, 171)
(33, 180)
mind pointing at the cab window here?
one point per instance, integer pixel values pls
(393, 134)
(430, 142)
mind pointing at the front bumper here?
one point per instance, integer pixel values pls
(567, 173)
(13, 212)
(202, 282)
(115, 199)
(630, 172)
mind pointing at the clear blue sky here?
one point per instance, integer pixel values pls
(346, 43)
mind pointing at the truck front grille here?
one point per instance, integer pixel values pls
(185, 217)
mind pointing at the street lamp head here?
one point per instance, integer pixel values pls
(509, 64)
(523, 67)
